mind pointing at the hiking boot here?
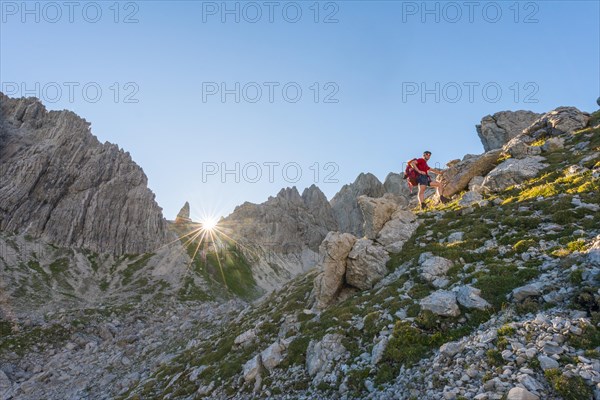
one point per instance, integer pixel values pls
(444, 200)
(423, 207)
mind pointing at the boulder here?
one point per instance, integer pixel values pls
(520, 147)
(321, 356)
(272, 356)
(470, 198)
(433, 267)
(470, 297)
(252, 368)
(441, 302)
(518, 393)
(593, 253)
(496, 130)
(475, 184)
(366, 264)
(345, 203)
(563, 120)
(547, 362)
(457, 178)
(379, 350)
(398, 230)
(333, 253)
(553, 144)
(450, 349)
(523, 292)
(377, 211)
(455, 237)
(512, 172)
(246, 338)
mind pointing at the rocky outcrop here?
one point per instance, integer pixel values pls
(377, 211)
(512, 172)
(333, 253)
(345, 203)
(563, 120)
(60, 183)
(398, 230)
(458, 176)
(520, 147)
(496, 130)
(395, 184)
(366, 264)
(183, 217)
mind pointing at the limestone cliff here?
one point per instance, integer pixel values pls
(60, 183)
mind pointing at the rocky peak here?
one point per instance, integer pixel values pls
(60, 183)
(319, 206)
(183, 217)
(345, 203)
(285, 231)
(288, 197)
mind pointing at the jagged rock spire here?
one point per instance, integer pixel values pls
(184, 214)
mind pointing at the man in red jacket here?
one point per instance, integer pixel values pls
(424, 180)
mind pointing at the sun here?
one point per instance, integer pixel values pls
(209, 223)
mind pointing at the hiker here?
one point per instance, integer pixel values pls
(424, 180)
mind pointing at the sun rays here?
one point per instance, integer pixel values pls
(207, 237)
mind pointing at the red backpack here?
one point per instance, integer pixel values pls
(410, 173)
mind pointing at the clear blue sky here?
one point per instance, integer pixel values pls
(372, 61)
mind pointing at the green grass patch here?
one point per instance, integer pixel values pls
(569, 387)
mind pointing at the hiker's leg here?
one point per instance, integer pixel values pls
(422, 193)
(437, 186)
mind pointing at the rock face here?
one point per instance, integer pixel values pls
(395, 184)
(319, 206)
(60, 183)
(496, 130)
(286, 221)
(398, 230)
(512, 172)
(183, 217)
(345, 203)
(520, 147)
(459, 175)
(377, 211)
(334, 253)
(557, 122)
(366, 264)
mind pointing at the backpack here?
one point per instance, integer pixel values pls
(410, 173)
